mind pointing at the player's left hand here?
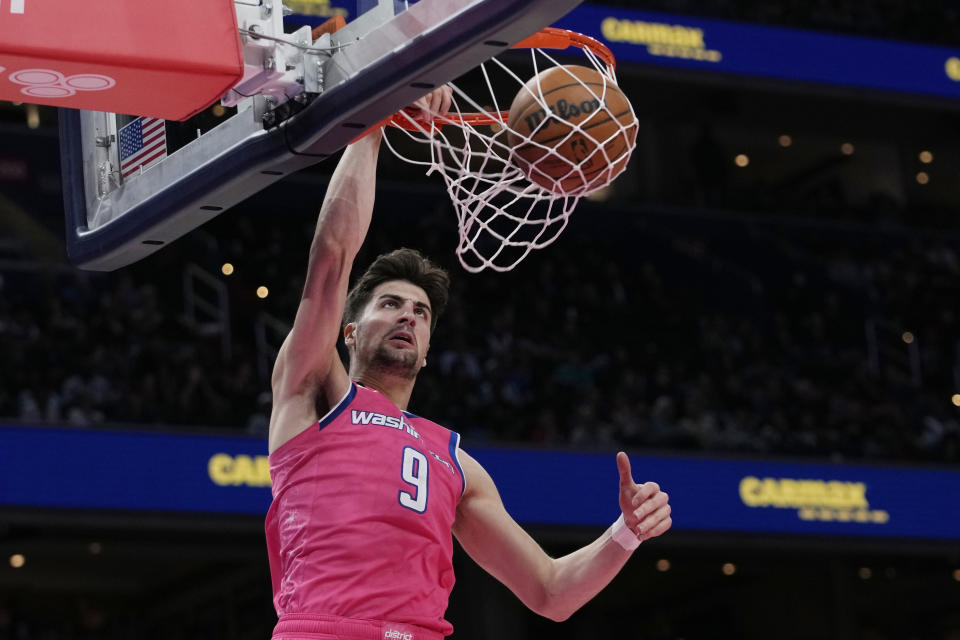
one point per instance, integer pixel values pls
(435, 104)
(646, 510)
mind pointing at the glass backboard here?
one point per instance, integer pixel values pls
(302, 98)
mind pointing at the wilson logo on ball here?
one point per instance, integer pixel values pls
(571, 130)
(562, 109)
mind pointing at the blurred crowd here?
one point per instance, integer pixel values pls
(667, 331)
(738, 336)
(88, 349)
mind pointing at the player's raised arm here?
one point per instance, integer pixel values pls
(308, 376)
(554, 588)
(308, 372)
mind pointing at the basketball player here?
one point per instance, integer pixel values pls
(366, 494)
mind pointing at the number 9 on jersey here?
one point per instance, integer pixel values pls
(414, 472)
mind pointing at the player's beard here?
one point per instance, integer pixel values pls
(398, 362)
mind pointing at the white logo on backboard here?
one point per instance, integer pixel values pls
(47, 83)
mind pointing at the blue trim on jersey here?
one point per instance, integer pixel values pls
(337, 410)
(454, 445)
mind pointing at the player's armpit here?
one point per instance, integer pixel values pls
(309, 350)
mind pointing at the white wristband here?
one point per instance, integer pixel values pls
(623, 536)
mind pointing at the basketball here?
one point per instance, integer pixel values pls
(571, 130)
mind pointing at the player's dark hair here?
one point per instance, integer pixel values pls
(402, 264)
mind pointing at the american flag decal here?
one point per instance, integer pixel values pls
(143, 143)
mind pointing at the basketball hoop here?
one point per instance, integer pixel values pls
(503, 212)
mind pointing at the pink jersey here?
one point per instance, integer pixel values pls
(363, 505)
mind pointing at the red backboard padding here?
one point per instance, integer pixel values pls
(162, 58)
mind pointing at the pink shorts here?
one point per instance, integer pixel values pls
(306, 626)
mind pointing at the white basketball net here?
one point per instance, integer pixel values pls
(501, 214)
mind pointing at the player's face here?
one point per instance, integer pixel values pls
(393, 333)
